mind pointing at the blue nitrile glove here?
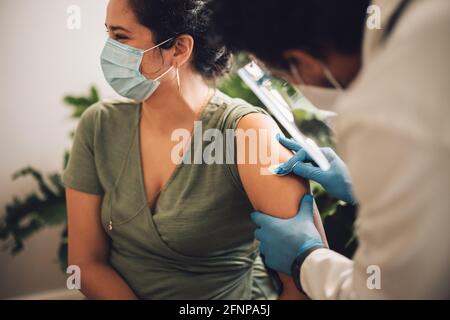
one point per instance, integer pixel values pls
(336, 181)
(283, 240)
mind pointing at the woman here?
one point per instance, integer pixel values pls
(140, 225)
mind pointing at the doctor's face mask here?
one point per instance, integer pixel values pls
(121, 67)
(321, 97)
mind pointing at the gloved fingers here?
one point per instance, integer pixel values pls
(306, 207)
(308, 171)
(261, 219)
(288, 143)
(262, 247)
(287, 167)
(329, 153)
(258, 234)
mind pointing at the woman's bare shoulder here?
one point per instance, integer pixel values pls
(278, 196)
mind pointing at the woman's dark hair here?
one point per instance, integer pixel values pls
(169, 18)
(268, 28)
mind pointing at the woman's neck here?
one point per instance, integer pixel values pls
(169, 108)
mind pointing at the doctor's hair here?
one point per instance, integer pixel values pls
(171, 18)
(269, 28)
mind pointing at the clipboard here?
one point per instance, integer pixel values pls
(261, 85)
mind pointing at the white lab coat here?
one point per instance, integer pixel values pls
(393, 132)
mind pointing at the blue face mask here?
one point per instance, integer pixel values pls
(121, 68)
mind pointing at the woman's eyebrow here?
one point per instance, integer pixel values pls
(115, 28)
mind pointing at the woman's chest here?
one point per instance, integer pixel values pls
(201, 212)
(158, 165)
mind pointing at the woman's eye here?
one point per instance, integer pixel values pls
(120, 37)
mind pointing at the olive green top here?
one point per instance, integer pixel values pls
(198, 242)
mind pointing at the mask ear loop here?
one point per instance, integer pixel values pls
(166, 72)
(331, 78)
(178, 79)
(154, 47)
(296, 74)
(326, 72)
(158, 45)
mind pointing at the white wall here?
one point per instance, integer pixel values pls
(41, 60)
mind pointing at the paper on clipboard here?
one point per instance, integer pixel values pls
(260, 84)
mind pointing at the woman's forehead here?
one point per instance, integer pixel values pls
(119, 13)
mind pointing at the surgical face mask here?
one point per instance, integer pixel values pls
(121, 68)
(321, 97)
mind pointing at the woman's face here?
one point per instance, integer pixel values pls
(123, 26)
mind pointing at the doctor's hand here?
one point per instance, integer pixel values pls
(336, 180)
(283, 240)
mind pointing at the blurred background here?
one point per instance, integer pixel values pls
(50, 75)
(42, 60)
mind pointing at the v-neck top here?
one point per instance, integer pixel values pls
(198, 242)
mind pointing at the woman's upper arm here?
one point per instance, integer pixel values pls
(268, 193)
(87, 239)
(81, 170)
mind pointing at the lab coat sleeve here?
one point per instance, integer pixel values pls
(402, 182)
(333, 268)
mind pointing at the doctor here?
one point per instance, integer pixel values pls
(393, 133)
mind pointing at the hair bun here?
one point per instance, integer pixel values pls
(168, 18)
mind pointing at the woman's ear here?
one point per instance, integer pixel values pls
(307, 66)
(184, 45)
